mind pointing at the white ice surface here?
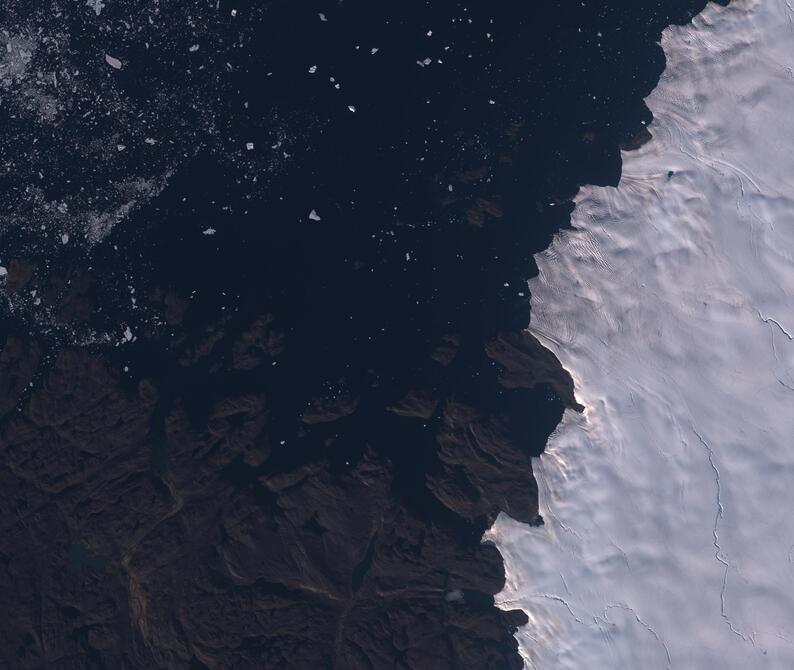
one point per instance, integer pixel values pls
(669, 505)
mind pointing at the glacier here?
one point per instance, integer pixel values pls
(669, 502)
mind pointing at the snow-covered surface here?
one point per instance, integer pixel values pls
(669, 505)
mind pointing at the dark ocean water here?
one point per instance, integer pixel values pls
(365, 293)
(473, 126)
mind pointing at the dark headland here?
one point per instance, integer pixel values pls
(264, 379)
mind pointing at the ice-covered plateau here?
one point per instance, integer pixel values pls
(669, 534)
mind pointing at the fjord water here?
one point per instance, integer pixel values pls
(669, 539)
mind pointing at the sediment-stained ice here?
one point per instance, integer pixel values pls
(669, 504)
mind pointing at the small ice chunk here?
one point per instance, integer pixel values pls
(352, 108)
(430, 33)
(128, 334)
(322, 16)
(121, 147)
(454, 596)
(194, 47)
(150, 140)
(314, 216)
(65, 238)
(3, 271)
(312, 69)
(374, 50)
(113, 62)
(249, 146)
(450, 188)
(209, 231)
(234, 12)
(96, 5)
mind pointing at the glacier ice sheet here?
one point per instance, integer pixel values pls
(669, 504)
